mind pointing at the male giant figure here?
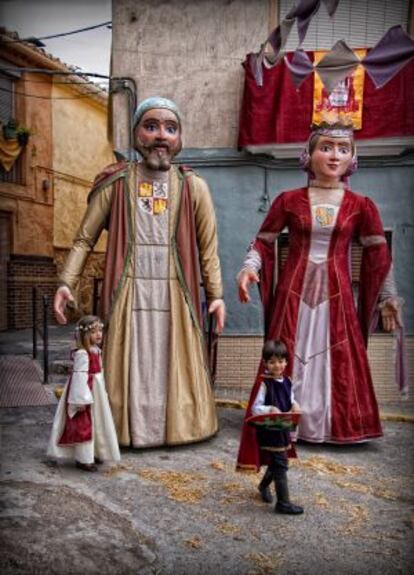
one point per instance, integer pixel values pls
(162, 234)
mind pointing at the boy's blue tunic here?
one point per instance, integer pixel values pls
(278, 394)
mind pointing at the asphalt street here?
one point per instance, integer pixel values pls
(185, 510)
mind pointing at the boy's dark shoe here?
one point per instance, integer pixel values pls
(288, 508)
(265, 494)
(284, 504)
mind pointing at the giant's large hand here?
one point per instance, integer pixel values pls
(246, 277)
(218, 309)
(63, 297)
(389, 317)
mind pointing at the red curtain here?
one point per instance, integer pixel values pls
(279, 113)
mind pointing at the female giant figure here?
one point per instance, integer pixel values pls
(312, 305)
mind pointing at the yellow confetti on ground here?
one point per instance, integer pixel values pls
(368, 489)
(119, 468)
(359, 513)
(232, 493)
(358, 518)
(321, 500)
(267, 563)
(228, 528)
(178, 484)
(219, 465)
(233, 486)
(195, 542)
(324, 465)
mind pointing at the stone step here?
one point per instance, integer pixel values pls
(60, 366)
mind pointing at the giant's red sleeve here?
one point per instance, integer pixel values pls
(375, 264)
(264, 243)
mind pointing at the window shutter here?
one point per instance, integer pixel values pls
(361, 23)
(6, 99)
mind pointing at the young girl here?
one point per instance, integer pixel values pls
(275, 395)
(83, 427)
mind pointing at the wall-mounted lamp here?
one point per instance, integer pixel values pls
(45, 185)
(264, 202)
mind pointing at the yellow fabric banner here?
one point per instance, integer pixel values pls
(9, 152)
(345, 100)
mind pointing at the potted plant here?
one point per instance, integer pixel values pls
(15, 131)
(10, 130)
(23, 134)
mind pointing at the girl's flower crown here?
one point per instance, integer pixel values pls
(83, 329)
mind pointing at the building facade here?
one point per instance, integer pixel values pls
(193, 53)
(43, 192)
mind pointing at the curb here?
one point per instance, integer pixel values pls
(233, 403)
(396, 417)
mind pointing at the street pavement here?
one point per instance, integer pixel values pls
(185, 511)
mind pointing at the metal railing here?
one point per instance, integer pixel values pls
(96, 296)
(43, 330)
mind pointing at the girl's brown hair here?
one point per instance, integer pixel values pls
(84, 327)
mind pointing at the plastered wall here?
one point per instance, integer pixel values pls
(191, 52)
(80, 151)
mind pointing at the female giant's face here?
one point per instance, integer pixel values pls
(331, 158)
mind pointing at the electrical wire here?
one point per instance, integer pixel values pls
(50, 37)
(84, 95)
(52, 72)
(101, 85)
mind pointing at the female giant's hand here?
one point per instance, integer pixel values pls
(389, 317)
(245, 278)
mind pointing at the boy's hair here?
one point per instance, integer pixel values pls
(85, 325)
(274, 348)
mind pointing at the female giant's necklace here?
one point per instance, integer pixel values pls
(320, 184)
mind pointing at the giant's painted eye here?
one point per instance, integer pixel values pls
(151, 127)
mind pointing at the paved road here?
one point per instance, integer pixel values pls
(184, 510)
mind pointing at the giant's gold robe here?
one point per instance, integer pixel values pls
(190, 412)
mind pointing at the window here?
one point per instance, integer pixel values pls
(7, 110)
(361, 23)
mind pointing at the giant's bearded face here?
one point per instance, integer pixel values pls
(158, 138)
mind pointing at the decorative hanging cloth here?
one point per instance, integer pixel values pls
(9, 152)
(389, 56)
(345, 99)
(302, 14)
(384, 61)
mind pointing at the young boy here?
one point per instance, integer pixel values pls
(275, 395)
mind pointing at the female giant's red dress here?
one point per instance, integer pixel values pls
(312, 311)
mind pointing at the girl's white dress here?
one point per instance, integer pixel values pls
(104, 442)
